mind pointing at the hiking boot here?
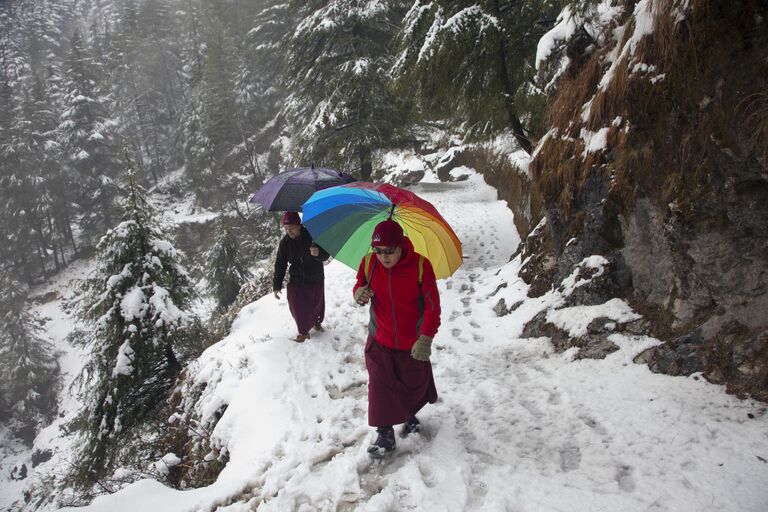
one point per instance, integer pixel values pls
(384, 443)
(301, 338)
(412, 426)
(319, 328)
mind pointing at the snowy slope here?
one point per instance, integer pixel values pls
(517, 427)
(57, 324)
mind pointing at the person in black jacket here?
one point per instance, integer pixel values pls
(303, 259)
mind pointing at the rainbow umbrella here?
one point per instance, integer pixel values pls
(341, 220)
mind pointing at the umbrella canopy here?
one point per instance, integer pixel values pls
(288, 190)
(341, 220)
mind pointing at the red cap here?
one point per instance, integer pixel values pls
(291, 218)
(388, 233)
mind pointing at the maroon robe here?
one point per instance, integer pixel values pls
(398, 385)
(307, 305)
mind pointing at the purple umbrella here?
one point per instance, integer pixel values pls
(289, 190)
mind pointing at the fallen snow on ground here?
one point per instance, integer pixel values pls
(517, 426)
(57, 323)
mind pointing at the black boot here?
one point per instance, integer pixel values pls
(385, 442)
(412, 426)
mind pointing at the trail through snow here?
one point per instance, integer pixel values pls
(517, 426)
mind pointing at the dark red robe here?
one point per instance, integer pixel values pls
(307, 305)
(398, 385)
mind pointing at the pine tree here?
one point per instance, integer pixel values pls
(144, 84)
(211, 119)
(225, 269)
(342, 106)
(88, 140)
(41, 100)
(28, 375)
(471, 62)
(136, 308)
(259, 92)
(16, 226)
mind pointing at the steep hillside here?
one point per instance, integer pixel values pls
(657, 159)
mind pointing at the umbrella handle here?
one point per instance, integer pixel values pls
(368, 282)
(373, 269)
(376, 260)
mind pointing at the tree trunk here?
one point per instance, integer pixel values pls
(513, 119)
(366, 165)
(54, 245)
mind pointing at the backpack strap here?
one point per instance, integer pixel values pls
(421, 268)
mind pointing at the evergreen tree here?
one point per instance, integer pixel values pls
(15, 226)
(28, 374)
(342, 106)
(211, 121)
(471, 62)
(259, 92)
(136, 309)
(144, 84)
(226, 270)
(41, 102)
(88, 140)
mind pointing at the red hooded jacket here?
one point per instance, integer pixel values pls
(401, 310)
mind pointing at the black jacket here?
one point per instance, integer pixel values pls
(304, 268)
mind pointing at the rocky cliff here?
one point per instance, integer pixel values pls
(657, 159)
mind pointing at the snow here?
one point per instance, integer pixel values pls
(468, 16)
(595, 141)
(427, 50)
(597, 18)
(58, 323)
(164, 310)
(124, 363)
(517, 426)
(133, 305)
(643, 21)
(168, 461)
(565, 27)
(575, 319)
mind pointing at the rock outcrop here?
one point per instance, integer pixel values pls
(665, 174)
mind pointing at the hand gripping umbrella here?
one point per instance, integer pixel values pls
(341, 220)
(288, 190)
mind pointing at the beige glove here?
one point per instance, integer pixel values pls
(363, 295)
(422, 349)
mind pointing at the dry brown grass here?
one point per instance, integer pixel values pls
(755, 111)
(678, 127)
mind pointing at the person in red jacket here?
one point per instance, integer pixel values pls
(405, 315)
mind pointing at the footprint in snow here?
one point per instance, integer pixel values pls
(570, 458)
(624, 478)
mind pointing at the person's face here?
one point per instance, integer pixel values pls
(388, 256)
(292, 230)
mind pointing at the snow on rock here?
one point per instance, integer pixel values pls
(575, 319)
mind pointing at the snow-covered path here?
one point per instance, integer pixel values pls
(517, 427)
